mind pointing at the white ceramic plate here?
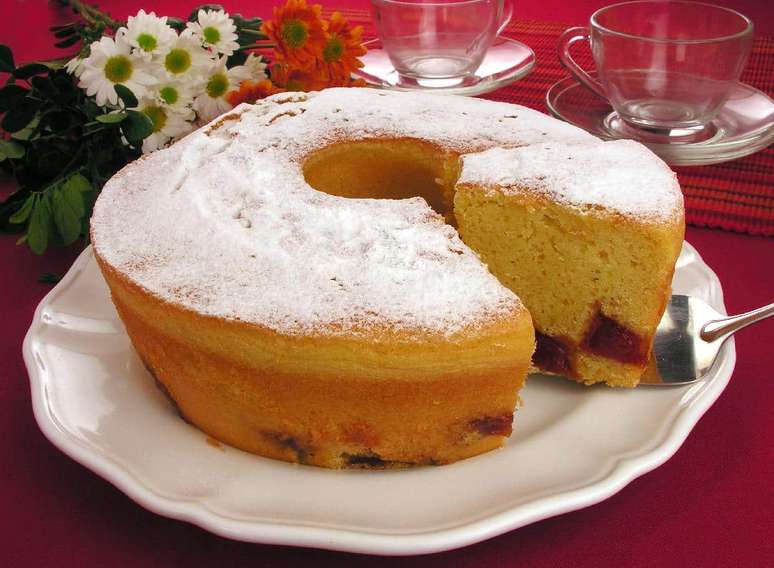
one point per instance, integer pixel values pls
(572, 446)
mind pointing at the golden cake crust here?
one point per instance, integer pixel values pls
(376, 400)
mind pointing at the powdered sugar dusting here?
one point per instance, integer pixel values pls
(224, 223)
(299, 124)
(620, 176)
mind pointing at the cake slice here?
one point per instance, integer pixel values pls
(587, 236)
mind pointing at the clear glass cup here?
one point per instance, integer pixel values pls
(439, 39)
(663, 65)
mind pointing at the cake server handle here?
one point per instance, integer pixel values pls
(722, 328)
(569, 37)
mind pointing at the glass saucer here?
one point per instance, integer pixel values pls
(506, 61)
(743, 126)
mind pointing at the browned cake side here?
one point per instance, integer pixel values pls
(332, 402)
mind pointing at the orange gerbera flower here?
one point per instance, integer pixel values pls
(343, 46)
(298, 33)
(291, 79)
(251, 91)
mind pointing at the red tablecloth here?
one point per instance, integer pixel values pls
(710, 505)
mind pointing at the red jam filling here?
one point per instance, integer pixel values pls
(608, 338)
(500, 425)
(552, 355)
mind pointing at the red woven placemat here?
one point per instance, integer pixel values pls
(735, 196)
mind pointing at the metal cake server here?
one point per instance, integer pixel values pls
(689, 338)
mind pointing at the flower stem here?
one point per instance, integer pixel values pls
(257, 45)
(257, 33)
(92, 14)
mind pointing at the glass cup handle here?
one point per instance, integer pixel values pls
(506, 17)
(569, 37)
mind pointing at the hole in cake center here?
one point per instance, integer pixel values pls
(386, 169)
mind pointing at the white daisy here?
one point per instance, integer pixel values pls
(109, 64)
(187, 59)
(256, 67)
(149, 35)
(175, 95)
(167, 124)
(215, 30)
(75, 66)
(219, 82)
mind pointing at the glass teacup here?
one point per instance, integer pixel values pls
(443, 40)
(663, 65)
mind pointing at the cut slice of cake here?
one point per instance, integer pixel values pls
(587, 236)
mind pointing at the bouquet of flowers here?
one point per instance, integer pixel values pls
(139, 85)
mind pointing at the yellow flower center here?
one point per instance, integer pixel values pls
(169, 95)
(294, 33)
(333, 50)
(147, 42)
(211, 35)
(177, 61)
(217, 85)
(118, 69)
(157, 116)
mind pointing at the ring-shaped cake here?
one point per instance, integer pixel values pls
(292, 277)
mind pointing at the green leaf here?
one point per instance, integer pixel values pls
(73, 194)
(10, 149)
(30, 70)
(54, 65)
(176, 24)
(23, 134)
(126, 95)
(64, 82)
(63, 33)
(65, 30)
(236, 58)
(248, 29)
(26, 132)
(20, 115)
(56, 120)
(10, 95)
(6, 59)
(111, 118)
(49, 278)
(72, 40)
(136, 127)
(45, 86)
(67, 221)
(79, 182)
(23, 213)
(37, 232)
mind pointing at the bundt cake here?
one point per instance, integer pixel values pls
(291, 276)
(587, 236)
